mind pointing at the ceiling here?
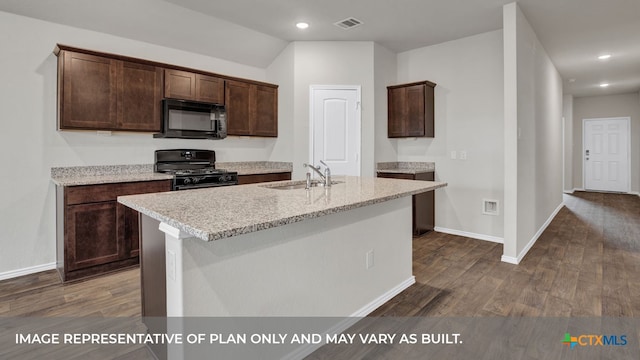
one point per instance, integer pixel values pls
(254, 32)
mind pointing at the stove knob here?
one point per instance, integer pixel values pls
(195, 180)
(187, 180)
(221, 178)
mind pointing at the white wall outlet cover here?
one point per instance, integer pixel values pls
(454, 155)
(463, 155)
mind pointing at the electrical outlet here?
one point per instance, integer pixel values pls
(454, 155)
(369, 261)
(463, 155)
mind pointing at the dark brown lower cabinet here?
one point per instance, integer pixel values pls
(95, 233)
(258, 178)
(423, 204)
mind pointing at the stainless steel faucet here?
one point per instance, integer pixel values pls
(326, 177)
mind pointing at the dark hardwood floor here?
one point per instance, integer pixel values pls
(586, 263)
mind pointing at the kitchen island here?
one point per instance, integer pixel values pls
(256, 250)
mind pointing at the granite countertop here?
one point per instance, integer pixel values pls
(399, 167)
(104, 174)
(256, 167)
(217, 213)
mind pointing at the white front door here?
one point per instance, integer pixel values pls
(606, 154)
(335, 128)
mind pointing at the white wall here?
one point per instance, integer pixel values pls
(622, 105)
(385, 65)
(30, 144)
(332, 63)
(281, 72)
(567, 118)
(533, 114)
(468, 117)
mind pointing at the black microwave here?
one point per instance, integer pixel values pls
(192, 120)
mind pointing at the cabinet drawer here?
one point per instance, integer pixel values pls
(109, 192)
(259, 178)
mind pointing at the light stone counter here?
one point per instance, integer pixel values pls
(217, 213)
(104, 174)
(404, 167)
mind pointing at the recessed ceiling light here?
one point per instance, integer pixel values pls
(604, 85)
(604, 57)
(572, 80)
(302, 25)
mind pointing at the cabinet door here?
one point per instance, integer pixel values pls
(139, 97)
(92, 235)
(209, 89)
(128, 219)
(415, 107)
(179, 84)
(396, 100)
(130, 230)
(265, 112)
(238, 98)
(87, 92)
(423, 204)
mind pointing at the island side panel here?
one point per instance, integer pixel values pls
(152, 281)
(152, 268)
(316, 267)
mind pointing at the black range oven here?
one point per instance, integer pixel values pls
(193, 169)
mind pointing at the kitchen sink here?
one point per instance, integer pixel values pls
(300, 184)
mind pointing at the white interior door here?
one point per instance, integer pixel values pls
(606, 154)
(335, 128)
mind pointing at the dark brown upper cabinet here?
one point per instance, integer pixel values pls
(252, 109)
(102, 93)
(411, 110)
(187, 85)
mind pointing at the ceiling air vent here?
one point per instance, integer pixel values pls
(348, 23)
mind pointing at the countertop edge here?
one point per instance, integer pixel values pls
(404, 171)
(206, 236)
(108, 179)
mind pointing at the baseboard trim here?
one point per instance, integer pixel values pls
(305, 350)
(494, 239)
(509, 259)
(26, 271)
(370, 307)
(523, 253)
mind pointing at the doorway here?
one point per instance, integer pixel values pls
(605, 153)
(335, 117)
